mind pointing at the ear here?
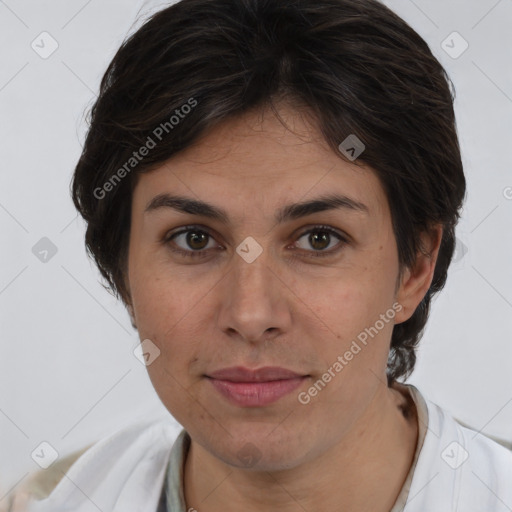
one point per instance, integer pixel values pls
(416, 279)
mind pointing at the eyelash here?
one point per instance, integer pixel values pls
(202, 253)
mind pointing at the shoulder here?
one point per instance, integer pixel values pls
(486, 477)
(111, 461)
(460, 467)
(41, 483)
(477, 449)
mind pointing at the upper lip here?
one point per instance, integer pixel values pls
(265, 374)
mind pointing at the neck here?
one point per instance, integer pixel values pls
(365, 471)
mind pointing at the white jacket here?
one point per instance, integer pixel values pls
(457, 470)
(122, 473)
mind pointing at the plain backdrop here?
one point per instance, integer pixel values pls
(68, 375)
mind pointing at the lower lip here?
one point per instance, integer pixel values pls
(256, 394)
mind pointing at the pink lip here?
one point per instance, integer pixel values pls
(264, 374)
(255, 388)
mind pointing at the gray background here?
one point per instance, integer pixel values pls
(68, 375)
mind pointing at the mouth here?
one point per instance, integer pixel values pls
(255, 388)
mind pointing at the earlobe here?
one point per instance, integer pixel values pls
(417, 279)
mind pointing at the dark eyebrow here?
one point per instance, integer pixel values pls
(287, 213)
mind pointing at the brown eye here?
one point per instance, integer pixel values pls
(196, 239)
(191, 242)
(321, 239)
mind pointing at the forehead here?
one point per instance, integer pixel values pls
(255, 161)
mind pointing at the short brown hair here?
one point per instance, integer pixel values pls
(357, 66)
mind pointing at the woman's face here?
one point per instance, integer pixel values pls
(264, 284)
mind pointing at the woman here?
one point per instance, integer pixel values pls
(272, 188)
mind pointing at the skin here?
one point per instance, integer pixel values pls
(351, 447)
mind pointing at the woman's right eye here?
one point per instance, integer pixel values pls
(190, 242)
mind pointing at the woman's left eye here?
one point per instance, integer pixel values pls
(320, 239)
(196, 241)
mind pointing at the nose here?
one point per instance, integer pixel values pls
(254, 303)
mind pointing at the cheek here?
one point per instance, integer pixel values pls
(164, 316)
(354, 299)
(351, 310)
(160, 297)
(170, 312)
